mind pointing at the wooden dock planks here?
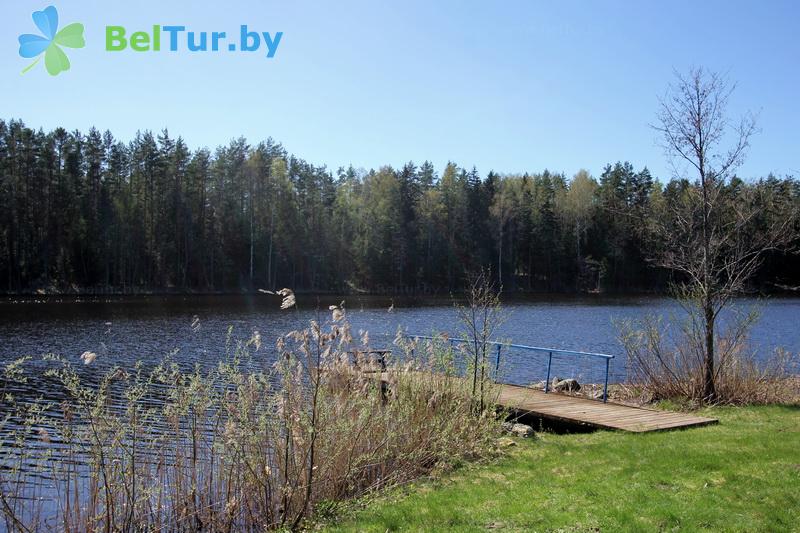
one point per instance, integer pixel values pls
(593, 413)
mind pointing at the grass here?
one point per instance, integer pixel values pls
(740, 475)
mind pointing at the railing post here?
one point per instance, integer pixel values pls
(497, 364)
(549, 364)
(605, 386)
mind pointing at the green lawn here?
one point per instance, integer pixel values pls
(740, 475)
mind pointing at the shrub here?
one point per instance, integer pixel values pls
(668, 367)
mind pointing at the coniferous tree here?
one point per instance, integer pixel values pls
(91, 213)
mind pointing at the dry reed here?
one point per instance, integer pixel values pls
(233, 448)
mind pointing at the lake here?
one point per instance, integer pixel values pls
(198, 330)
(123, 330)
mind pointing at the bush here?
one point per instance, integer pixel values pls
(666, 368)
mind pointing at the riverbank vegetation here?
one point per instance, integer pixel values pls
(714, 241)
(86, 212)
(740, 475)
(671, 366)
(239, 447)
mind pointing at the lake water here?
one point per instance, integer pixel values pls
(195, 328)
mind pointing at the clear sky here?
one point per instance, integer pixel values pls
(509, 85)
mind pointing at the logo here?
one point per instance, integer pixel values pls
(157, 38)
(178, 38)
(50, 42)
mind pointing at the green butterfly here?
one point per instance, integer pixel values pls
(50, 42)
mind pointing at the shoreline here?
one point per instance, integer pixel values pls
(334, 296)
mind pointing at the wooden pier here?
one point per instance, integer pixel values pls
(594, 413)
(589, 413)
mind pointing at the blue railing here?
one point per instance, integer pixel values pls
(549, 351)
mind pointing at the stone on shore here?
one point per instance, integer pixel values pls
(567, 385)
(520, 430)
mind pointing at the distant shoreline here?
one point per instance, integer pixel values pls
(371, 299)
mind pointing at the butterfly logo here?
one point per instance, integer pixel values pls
(50, 42)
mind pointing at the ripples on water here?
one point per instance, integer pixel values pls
(200, 331)
(195, 329)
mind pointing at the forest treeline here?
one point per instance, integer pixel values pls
(88, 212)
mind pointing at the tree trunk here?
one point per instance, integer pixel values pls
(271, 236)
(709, 389)
(252, 240)
(500, 257)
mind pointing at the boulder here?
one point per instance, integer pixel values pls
(567, 385)
(522, 430)
(598, 395)
(519, 430)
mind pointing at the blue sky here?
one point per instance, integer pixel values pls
(511, 86)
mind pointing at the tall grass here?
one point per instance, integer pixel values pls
(234, 448)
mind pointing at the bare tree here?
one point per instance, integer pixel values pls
(713, 239)
(481, 317)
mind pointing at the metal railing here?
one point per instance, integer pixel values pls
(550, 351)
